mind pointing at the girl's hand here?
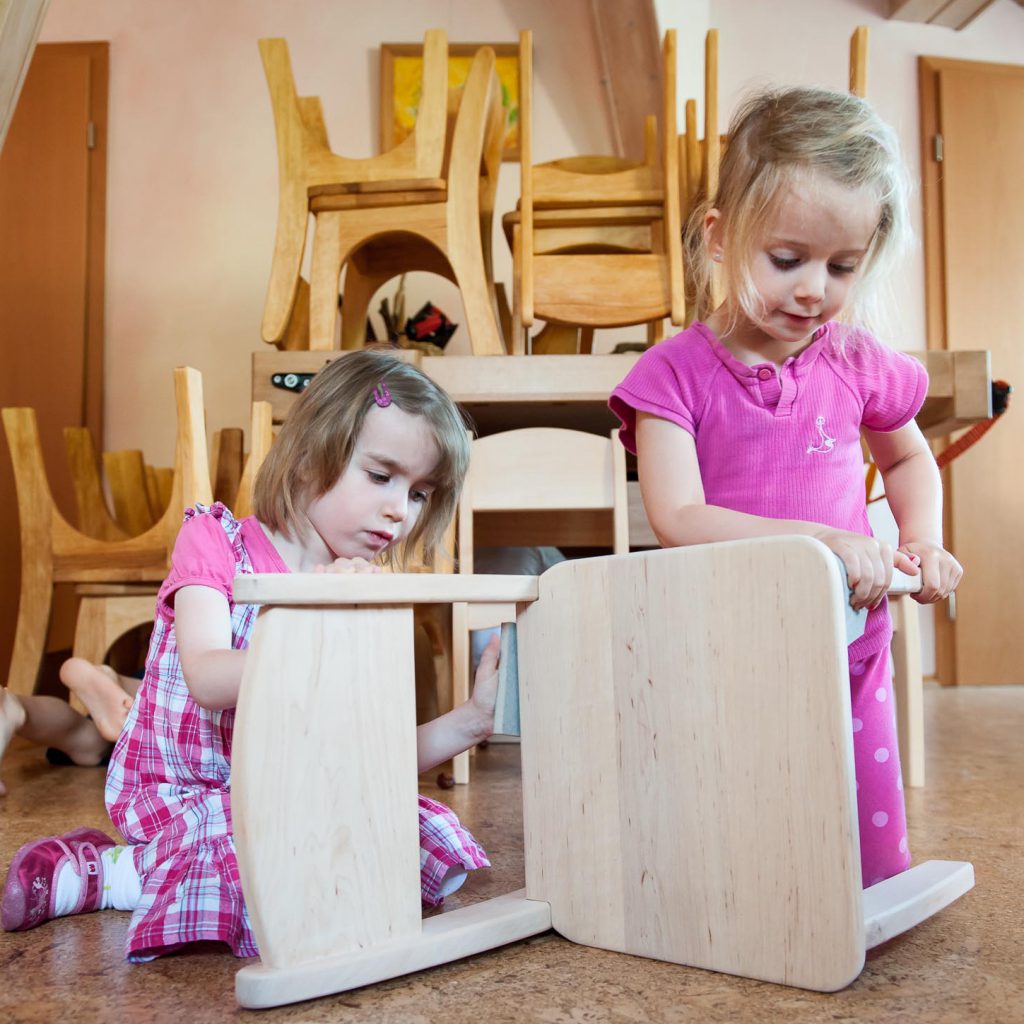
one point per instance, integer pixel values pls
(940, 571)
(485, 685)
(869, 564)
(349, 565)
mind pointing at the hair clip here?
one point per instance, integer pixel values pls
(381, 395)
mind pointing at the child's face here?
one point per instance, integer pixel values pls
(807, 260)
(385, 487)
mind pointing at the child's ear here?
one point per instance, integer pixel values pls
(713, 234)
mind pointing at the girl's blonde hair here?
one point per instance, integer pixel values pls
(316, 443)
(780, 137)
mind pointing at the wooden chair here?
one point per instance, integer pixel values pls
(53, 551)
(427, 204)
(549, 471)
(668, 808)
(588, 214)
(107, 611)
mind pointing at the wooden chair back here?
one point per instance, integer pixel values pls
(544, 469)
(261, 437)
(93, 516)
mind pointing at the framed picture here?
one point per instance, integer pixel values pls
(401, 83)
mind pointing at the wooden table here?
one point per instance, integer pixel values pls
(506, 392)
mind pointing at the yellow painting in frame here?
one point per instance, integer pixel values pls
(401, 84)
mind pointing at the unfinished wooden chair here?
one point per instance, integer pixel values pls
(53, 551)
(558, 476)
(426, 204)
(668, 804)
(570, 263)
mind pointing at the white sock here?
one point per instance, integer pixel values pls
(121, 886)
(452, 880)
(122, 889)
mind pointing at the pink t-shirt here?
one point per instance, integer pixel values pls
(781, 442)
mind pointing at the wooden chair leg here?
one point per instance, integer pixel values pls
(328, 254)
(908, 687)
(34, 605)
(460, 679)
(478, 298)
(285, 270)
(357, 294)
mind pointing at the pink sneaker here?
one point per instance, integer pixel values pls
(31, 883)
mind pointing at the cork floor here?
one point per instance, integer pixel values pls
(965, 964)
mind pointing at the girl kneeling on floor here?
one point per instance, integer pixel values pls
(373, 455)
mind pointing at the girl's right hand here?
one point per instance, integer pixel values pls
(349, 565)
(869, 564)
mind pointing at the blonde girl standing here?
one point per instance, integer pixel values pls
(748, 423)
(373, 455)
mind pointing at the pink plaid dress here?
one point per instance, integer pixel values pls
(169, 781)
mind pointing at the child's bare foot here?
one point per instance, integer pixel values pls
(98, 689)
(12, 717)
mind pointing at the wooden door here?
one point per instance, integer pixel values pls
(52, 213)
(974, 218)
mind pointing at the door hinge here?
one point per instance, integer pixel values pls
(937, 148)
(90, 135)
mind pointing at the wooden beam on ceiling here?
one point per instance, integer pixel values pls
(20, 22)
(955, 14)
(629, 54)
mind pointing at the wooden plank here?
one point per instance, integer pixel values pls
(445, 937)
(302, 834)
(381, 588)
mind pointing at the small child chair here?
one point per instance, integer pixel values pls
(560, 473)
(687, 753)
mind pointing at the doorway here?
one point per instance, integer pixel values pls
(972, 123)
(52, 239)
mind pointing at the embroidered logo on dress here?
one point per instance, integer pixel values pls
(825, 443)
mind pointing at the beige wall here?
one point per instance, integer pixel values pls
(192, 166)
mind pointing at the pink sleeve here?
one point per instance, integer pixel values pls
(655, 385)
(202, 556)
(892, 384)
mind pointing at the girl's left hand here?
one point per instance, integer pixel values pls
(348, 565)
(940, 571)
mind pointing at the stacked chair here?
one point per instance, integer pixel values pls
(595, 242)
(426, 204)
